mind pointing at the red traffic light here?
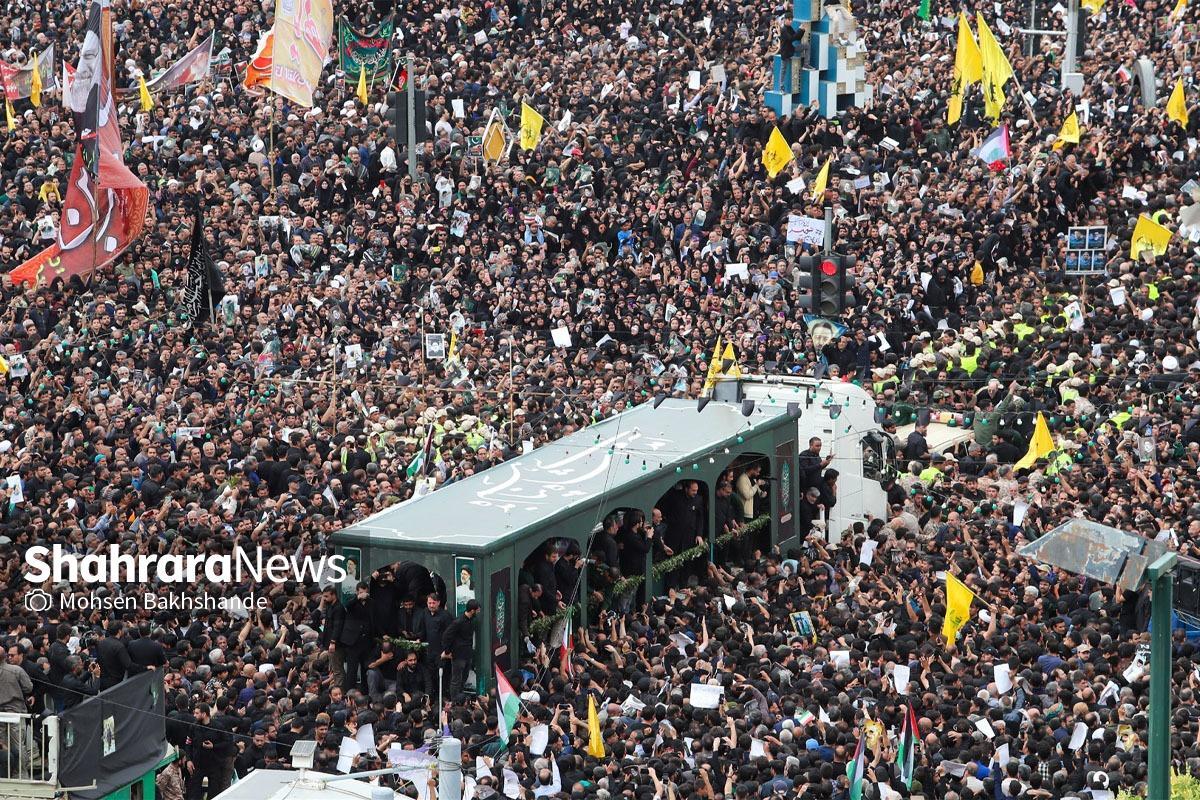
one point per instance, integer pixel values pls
(828, 267)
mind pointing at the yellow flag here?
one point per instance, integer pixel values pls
(777, 154)
(531, 127)
(1041, 445)
(1093, 6)
(729, 362)
(996, 70)
(1148, 235)
(35, 86)
(1177, 12)
(9, 117)
(1177, 104)
(494, 141)
(361, 91)
(714, 368)
(3, 365)
(452, 352)
(958, 607)
(968, 68)
(1069, 132)
(144, 94)
(818, 189)
(595, 746)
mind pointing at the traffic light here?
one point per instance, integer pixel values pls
(398, 116)
(829, 285)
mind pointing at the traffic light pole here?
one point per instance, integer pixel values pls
(828, 230)
(411, 133)
(1162, 585)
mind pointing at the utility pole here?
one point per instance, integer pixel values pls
(1162, 585)
(411, 133)
(1071, 78)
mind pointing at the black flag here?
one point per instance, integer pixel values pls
(203, 281)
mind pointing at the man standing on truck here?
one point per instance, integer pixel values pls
(810, 465)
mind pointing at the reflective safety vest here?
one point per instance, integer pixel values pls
(970, 363)
(930, 475)
(1022, 331)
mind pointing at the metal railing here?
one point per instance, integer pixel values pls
(28, 755)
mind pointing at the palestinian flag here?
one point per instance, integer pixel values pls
(421, 464)
(906, 753)
(566, 648)
(856, 769)
(995, 150)
(507, 704)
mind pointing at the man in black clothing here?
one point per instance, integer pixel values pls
(543, 569)
(331, 633)
(810, 465)
(254, 752)
(916, 447)
(206, 754)
(179, 722)
(406, 619)
(381, 669)
(78, 684)
(113, 656)
(57, 655)
(458, 646)
(431, 627)
(604, 547)
(410, 679)
(236, 727)
(687, 527)
(356, 637)
(385, 598)
(146, 652)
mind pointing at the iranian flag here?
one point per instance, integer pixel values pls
(804, 716)
(907, 751)
(506, 707)
(856, 768)
(995, 150)
(565, 648)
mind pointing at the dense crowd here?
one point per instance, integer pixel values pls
(301, 406)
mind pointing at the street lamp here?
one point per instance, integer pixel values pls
(1127, 561)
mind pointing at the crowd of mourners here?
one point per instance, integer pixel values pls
(300, 408)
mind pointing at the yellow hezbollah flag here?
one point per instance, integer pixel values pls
(35, 85)
(1177, 104)
(1093, 6)
(821, 182)
(1069, 132)
(361, 92)
(1041, 445)
(452, 352)
(777, 154)
(996, 70)
(958, 607)
(595, 746)
(1148, 235)
(729, 362)
(968, 68)
(9, 117)
(3, 365)
(531, 127)
(144, 94)
(1177, 12)
(714, 367)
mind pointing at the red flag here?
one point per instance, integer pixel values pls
(400, 79)
(103, 213)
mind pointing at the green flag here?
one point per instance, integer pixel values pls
(923, 11)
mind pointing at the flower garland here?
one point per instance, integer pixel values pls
(540, 628)
(676, 561)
